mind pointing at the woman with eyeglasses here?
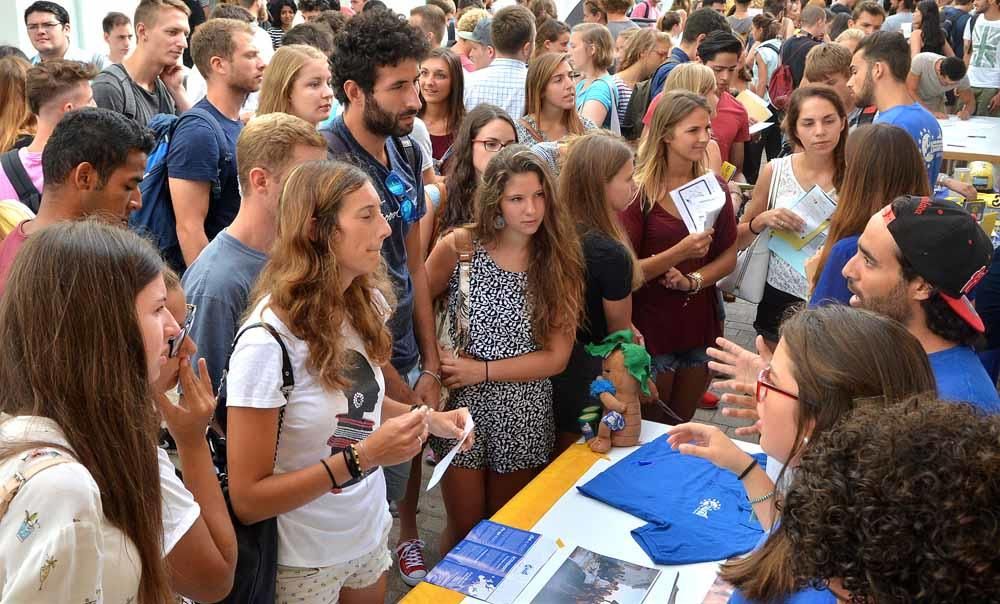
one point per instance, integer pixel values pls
(198, 535)
(644, 52)
(313, 456)
(550, 102)
(485, 131)
(828, 361)
(523, 300)
(85, 329)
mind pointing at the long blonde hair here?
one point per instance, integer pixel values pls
(556, 269)
(589, 164)
(16, 118)
(540, 71)
(653, 156)
(280, 76)
(302, 275)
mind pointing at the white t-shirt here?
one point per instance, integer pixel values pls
(180, 510)
(984, 66)
(57, 545)
(336, 527)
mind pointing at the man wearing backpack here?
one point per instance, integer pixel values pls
(958, 13)
(201, 168)
(53, 88)
(794, 51)
(982, 55)
(92, 170)
(375, 85)
(150, 81)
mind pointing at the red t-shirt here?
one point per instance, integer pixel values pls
(730, 125)
(8, 251)
(663, 318)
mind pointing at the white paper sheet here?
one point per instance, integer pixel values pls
(815, 208)
(699, 202)
(442, 465)
(760, 126)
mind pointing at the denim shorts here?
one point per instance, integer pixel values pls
(695, 357)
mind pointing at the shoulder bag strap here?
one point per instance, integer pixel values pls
(13, 484)
(531, 130)
(465, 251)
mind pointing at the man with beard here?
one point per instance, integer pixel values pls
(375, 79)
(878, 77)
(92, 163)
(150, 80)
(204, 187)
(918, 258)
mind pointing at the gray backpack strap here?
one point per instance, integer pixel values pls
(130, 109)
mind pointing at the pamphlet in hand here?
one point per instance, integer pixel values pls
(815, 208)
(699, 202)
(493, 563)
(756, 107)
(590, 577)
(442, 466)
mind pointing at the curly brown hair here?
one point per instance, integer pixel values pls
(302, 276)
(899, 504)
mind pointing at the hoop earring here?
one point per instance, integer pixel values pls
(499, 223)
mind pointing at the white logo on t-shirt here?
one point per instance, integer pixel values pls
(707, 505)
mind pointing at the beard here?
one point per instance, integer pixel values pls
(894, 305)
(866, 96)
(380, 122)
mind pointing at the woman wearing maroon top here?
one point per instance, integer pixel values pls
(677, 310)
(441, 96)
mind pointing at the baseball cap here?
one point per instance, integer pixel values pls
(944, 245)
(481, 33)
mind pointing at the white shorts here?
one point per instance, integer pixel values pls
(298, 585)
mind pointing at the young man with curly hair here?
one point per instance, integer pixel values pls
(917, 260)
(375, 79)
(851, 517)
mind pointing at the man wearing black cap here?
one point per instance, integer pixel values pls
(917, 260)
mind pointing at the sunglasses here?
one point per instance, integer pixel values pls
(764, 384)
(400, 190)
(174, 343)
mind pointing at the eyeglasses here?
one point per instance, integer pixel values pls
(174, 343)
(493, 146)
(50, 25)
(764, 384)
(403, 194)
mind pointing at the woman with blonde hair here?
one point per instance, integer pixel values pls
(17, 122)
(524, 301)
(596, 182)
(699, 79)
(591, 50)
(550, 112)
(312, 454)
(646, 50)
(676, 310)
(297, 82)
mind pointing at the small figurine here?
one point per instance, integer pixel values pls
(626, 373)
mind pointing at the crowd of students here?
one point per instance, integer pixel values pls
(362, 233)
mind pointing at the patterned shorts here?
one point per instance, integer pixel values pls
(298, 585)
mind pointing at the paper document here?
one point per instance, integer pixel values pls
(699, 202)
(756, 107)
(442, 465)
(797, 257)
(815, 208)
(759, 126)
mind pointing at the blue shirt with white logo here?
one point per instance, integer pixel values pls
(925, 130)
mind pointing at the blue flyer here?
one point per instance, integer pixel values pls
(493, 563)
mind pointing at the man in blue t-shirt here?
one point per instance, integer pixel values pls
(202, 174)
(699, 24)
(374, 78)
(917, 260)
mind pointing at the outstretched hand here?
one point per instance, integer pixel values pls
(742, 368)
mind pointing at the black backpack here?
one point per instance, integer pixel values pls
(638, 104)
(19, 179)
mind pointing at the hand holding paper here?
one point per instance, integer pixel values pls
(442, 465)
(699, 202)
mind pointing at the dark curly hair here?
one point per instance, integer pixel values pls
(899, 503)
(375, 39)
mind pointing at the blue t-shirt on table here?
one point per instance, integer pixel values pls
(960, 377)
(342, 145)
(698, 512)
(194, 155)
(831, 287)
(925, 130)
